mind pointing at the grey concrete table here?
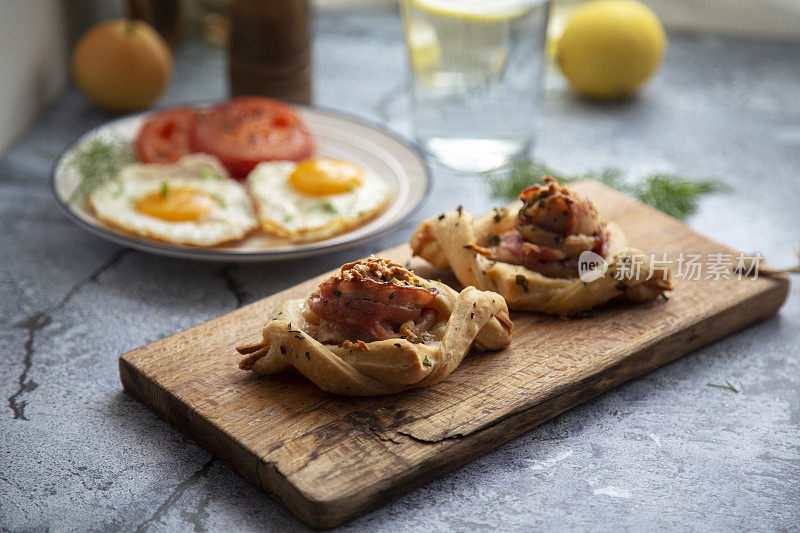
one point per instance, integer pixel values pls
(663, 452)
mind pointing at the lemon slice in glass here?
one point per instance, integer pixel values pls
(424, 51)
(476, 10)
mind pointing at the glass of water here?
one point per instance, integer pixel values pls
(476, 69)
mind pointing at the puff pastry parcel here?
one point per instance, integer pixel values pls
(375, 327)
(532, 253)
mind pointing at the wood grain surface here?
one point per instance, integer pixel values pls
(330, 458)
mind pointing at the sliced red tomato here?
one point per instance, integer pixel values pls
(247, 130)
(166, 136)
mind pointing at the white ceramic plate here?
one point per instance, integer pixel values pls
(386, 155)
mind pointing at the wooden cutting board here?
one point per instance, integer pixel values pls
(330, 458)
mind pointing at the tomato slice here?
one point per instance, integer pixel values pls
(166, 136)
(247, 130)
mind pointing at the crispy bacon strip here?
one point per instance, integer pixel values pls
(375, 296)
(553, 227)
(556, 209)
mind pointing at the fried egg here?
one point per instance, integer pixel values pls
(316, 198)
(193, 201)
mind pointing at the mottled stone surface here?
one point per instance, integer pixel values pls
(663, 452)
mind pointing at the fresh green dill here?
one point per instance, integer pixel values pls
(96, 162)
(164, 189)
(288, 217)
(426, 362)
(508, 183)
(221, 201)
(727, 386)
(674, 195)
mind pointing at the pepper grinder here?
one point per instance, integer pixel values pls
(270, 49)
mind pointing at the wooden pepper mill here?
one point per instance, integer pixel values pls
(270, 49)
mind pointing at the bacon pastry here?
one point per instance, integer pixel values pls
(375, 327)
(533, 253)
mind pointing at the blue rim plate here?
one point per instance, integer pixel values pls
(395, 160)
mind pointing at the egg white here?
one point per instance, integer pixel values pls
(230, 219)
(300, 217)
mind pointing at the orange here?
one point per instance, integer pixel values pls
(122, 65)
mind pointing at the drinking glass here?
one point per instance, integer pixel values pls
(476, 69)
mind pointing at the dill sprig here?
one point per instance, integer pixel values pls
(97, 162)
(674, 195)
(727, 386)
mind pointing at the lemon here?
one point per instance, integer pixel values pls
(610, 47)
(475, 10)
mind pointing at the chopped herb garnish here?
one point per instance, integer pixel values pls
(391, 296)
(325, 206)
(522, 281)
(208, 174)
(426, 362)
(308, 356)
(288, 218)
(460, 210)
(220, 201)
(398, 345)
(441, 217)
(495, 240)
(336, 292)
(164, 189)
(500, 213)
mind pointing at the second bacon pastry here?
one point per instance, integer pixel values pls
(530, 253)
(375, 327)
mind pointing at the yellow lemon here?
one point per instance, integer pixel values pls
(122, 65)
(610, 47)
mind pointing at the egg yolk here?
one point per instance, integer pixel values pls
(323, 176)
(176, 204)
